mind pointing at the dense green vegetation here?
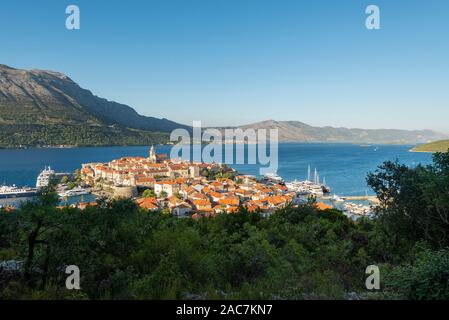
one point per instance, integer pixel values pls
(437, 146)
(224, 172)
(124, 252)
(12, 136)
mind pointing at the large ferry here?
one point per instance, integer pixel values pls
(43, 179)
(15, 192)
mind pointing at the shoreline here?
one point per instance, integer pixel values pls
(420, 151)
(425, 151)
(361, 144)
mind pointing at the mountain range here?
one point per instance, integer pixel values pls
(47, 108)
(296, 131)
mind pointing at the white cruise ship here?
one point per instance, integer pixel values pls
(43, 179)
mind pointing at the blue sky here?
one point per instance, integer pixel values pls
(229, 62)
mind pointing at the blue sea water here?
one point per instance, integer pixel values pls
(344, 166)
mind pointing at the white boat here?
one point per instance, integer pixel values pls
(73, 193)
(44, 178)
(273, 177)
(357, 209)
(336, 198)
(305, 188)
(309, 187)
(15, 192)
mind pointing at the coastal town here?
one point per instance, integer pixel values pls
(184, 188)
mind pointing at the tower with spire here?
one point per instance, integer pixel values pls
(153, 157)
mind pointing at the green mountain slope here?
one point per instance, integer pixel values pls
(12, 136)
(45, 107)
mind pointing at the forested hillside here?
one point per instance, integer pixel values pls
(40, 107)
(12, 136)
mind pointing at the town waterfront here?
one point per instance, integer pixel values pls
(343, 165)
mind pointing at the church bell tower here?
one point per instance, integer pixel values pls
(152, 154)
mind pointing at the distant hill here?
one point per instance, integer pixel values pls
(42, 105)
(437, 146)
(295, 131)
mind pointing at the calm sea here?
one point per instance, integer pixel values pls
(343, 165)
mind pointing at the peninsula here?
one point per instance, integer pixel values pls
(437, 146)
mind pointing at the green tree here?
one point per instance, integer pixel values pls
(425, 277)
(163, 194)
(148, 193)
(65, 180)
(414, 202)
(164, 283)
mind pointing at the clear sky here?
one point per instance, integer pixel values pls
(230, 62)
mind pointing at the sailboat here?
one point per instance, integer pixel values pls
(309, 186)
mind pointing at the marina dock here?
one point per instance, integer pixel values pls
(372, 199)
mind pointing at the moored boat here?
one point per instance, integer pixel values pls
(309, 187)
(357, 209)
(336, 198)
(15, 192)
(44, 178)
(272, 177)
(73, 193)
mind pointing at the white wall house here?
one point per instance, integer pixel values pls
(181, 210)
(169, 187)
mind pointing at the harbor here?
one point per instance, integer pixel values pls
(69, 192)
(372, 199)
(352, 206)
(96, 179)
